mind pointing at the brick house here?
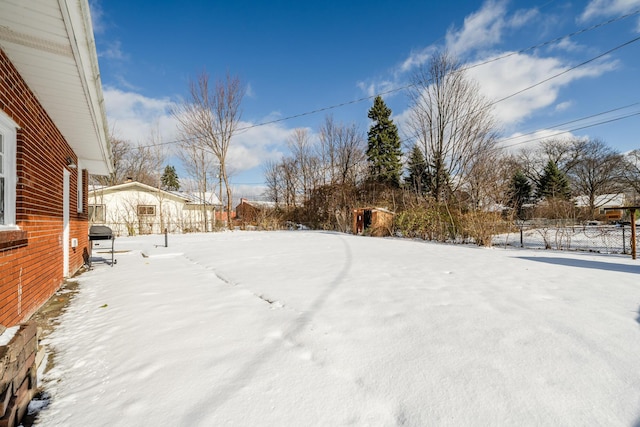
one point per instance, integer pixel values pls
(52, 136)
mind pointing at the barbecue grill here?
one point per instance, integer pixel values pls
(101, 232)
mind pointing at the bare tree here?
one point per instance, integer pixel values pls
(305, 163)
(451, 120)
(488, 181)
(563, 152)
(120, 150)
(211, 117)
(597, 172)
(273, 180)
(198, 164)
(140, 163)
(631, 173)
(350, 157)
(327, 150)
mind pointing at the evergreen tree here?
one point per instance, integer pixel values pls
(384, 152)
(520, 192)
(170, 179)
(419, 178)
(553, 183)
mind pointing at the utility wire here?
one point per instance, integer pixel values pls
(560, 132)
(571, 121)
(397, 89)
(566, 71)
(543, 44)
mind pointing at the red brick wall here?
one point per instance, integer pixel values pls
(32, 270)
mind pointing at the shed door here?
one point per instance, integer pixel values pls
(367, 218)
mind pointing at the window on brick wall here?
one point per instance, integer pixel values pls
(97, 213)
(7, 172)
(146, 210)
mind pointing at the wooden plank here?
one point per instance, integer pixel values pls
(6, 397)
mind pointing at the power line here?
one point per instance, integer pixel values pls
(637, 113)
(404, 87)
(572, 121)
(566, 71)
(543, 44)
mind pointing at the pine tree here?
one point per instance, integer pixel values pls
(384, 152)
(170, 179)
(520, 192)
(418, 179)
(553, 183)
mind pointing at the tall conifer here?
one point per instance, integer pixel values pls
(384, 152)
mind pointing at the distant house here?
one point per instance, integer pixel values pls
(251, 211)
(134, 208)
(52, 136)
(373, 221)
(601, 202)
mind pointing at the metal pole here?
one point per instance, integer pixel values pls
(633, 233)
(624, 240)
(166, 238)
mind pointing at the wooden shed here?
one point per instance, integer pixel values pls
(373, 221)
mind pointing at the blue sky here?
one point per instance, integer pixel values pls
(299, 56)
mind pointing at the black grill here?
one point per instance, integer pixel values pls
(101, 232)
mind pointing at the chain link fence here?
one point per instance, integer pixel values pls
(609, 239)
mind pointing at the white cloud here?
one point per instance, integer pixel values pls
(249, 92)
(113, 50)
(97, 16)
(481, 29)
(417, 58)
(134, 117)
(502, 78)
(254, 146)
(567, 45)
(604, 8)
(564, 106)
(373, 88)
(522, 17)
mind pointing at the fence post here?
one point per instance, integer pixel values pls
(166, 238)
(624, 241)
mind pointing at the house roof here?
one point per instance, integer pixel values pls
(51, 44)
(208, 197)
(603, 200)
(259, 204)
(138, 186)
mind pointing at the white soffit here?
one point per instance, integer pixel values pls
(51, 44)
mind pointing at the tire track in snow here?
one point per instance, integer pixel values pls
(274, 304)
(209, 404)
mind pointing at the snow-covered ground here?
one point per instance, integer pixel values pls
(322, 329)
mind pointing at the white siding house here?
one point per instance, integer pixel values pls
(134, 208)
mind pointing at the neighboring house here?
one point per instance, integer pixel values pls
(52, 136)
(601, 202)
(373, 221)
(134, 208)
(252, 211)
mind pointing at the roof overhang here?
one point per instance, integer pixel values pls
(51, 44)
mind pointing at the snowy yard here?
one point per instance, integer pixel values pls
(323, 329)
